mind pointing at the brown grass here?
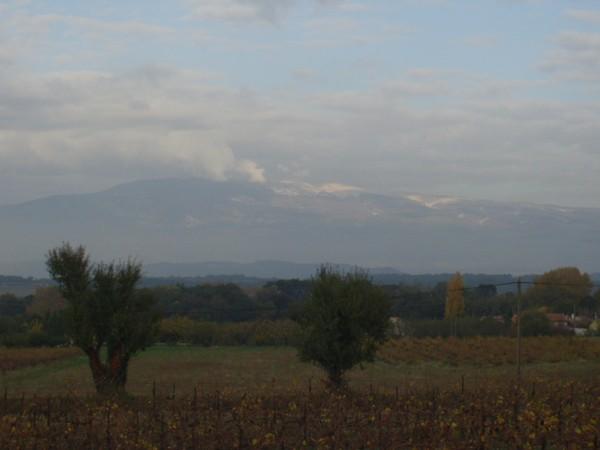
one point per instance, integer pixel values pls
(490, 351)
(17, 358)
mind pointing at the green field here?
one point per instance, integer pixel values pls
(268, 369)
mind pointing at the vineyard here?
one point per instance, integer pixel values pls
(16, 358)
(426, 393)
(489, 350)
(477, 351)
(539, 414)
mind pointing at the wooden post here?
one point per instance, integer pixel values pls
(519, 329)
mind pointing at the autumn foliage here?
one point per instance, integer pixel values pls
(541, 413)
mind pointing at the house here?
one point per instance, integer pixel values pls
(577, 325)
(560, 322)
(397, 327)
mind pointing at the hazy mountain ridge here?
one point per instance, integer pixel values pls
(200, 220)
(23, 286)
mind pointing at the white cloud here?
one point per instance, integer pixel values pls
(253, 171)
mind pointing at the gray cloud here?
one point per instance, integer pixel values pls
(408, 134)
(426, 130)
(268, 11)
(143, 123)
(240, 10)
(96, 27)
(589, 16)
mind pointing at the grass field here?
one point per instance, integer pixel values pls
(257, 369)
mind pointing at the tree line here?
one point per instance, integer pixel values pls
(336, 320)
(227, 314)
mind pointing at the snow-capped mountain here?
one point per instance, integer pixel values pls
(178, 220)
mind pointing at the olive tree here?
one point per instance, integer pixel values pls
(343, 321)
(107, 317)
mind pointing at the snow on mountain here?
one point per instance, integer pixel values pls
(193, 219)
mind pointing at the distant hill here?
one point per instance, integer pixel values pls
(258, 269)
(22, 286)
(200, 220)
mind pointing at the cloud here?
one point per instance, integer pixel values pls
(590, 16)
(481, 41)
(253, 171)
(7, 54)
(70, 130)
(240, 10)
(577, 57)
(97, 27)
(142, 123)
(425, 131)
(404, 87)
(71, 40)
(266, 11)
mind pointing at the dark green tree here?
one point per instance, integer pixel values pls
(343, 321)
(106, 315)
(535, 323)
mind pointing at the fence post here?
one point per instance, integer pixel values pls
(304, 423)
(108, 436)
(154, 397)
(49, 411)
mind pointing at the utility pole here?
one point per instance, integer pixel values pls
(519, 328)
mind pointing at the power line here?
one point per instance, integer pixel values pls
(530, 283)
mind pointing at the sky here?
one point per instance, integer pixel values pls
(487, 99)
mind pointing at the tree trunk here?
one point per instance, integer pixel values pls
(109, 378)
(336, 379)
(119, 362)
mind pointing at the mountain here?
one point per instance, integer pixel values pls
(257, 269)
(192, 219)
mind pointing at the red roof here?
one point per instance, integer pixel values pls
(554, 317)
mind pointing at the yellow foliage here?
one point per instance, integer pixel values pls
(455, 298)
